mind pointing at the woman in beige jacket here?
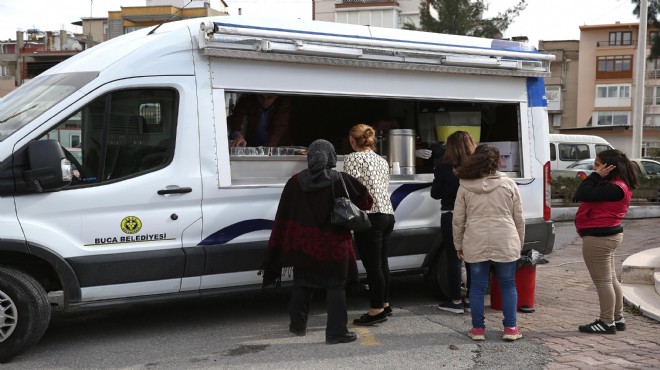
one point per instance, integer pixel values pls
(489, 229)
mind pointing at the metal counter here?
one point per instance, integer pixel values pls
(267, 171)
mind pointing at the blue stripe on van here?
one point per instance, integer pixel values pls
(403, 191)
(230, 232)
(511, 45)
(494, 45)
(233, 231)
(536, 92)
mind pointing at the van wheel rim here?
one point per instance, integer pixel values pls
(8, 316)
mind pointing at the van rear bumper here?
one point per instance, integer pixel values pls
(539, 235)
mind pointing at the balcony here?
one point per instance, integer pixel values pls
(607, 44)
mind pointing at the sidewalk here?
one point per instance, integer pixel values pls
(566, 298)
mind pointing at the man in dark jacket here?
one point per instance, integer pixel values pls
(266, 119)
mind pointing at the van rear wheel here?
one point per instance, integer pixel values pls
(24, 312)
(436, 276)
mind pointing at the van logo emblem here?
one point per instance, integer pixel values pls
(131, 225)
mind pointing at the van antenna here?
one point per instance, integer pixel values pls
(170, 17)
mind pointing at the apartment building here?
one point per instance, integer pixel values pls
(562, 86)
(28, 56)
(130, 19)
(377, 13)
(606, 87)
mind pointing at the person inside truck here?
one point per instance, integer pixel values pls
(260, 120)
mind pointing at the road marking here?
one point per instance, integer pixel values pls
(366, 338)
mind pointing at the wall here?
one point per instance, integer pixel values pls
(565, 74)
(6, 86)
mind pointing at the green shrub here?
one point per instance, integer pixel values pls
(563, 188)
(648, 189)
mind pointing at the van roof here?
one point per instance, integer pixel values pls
(167, 50)
(563, 138)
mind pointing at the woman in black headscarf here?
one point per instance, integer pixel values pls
(320, 253)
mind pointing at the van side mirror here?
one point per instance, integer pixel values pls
(49, 170)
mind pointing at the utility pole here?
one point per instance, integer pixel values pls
(640, 72)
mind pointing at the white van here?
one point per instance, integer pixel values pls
(158, 206)
(567, 149)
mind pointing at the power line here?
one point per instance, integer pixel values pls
(611, 11)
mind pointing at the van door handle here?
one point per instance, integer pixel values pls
(176, 190)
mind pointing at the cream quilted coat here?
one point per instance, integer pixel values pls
(488, 219)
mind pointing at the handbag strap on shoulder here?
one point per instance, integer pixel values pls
(341, 178)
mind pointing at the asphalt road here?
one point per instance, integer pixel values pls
(250, 331)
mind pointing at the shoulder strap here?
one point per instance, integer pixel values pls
(341, 178)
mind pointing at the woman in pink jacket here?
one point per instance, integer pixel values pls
(489, 230)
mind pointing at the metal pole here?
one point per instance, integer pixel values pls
(640, 72)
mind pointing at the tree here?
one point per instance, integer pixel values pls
(652, 19)
(464, 17)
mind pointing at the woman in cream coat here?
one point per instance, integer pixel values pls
(489, 229)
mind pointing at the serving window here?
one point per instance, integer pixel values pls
(312, 117)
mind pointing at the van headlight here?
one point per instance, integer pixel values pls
(67, 170)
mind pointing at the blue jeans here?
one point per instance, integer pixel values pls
(506, 273)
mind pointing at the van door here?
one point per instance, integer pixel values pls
(132, 208)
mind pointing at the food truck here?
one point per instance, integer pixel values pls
(118, 183)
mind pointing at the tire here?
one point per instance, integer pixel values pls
(436, 276)
(24, 313)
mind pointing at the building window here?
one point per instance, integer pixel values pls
(552, 93)
(616, 63)
(613, 91)
(620, 38)
(653, 68)
(614, 66)
(651, 149)
(134, 28)
(610, 118)
(556, 120)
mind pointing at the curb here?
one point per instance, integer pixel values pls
(568, 213)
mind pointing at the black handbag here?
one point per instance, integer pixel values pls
(346, 214)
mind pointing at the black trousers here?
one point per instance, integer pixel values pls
(301, 300)
(373, 247)
(453, 262)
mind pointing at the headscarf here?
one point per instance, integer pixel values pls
(321, 159)
(320, 156)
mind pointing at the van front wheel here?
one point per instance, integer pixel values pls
(24, 312)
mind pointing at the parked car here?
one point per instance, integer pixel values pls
(582, 169)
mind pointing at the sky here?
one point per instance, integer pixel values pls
(541, 20)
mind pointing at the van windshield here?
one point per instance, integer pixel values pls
(29, 101)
